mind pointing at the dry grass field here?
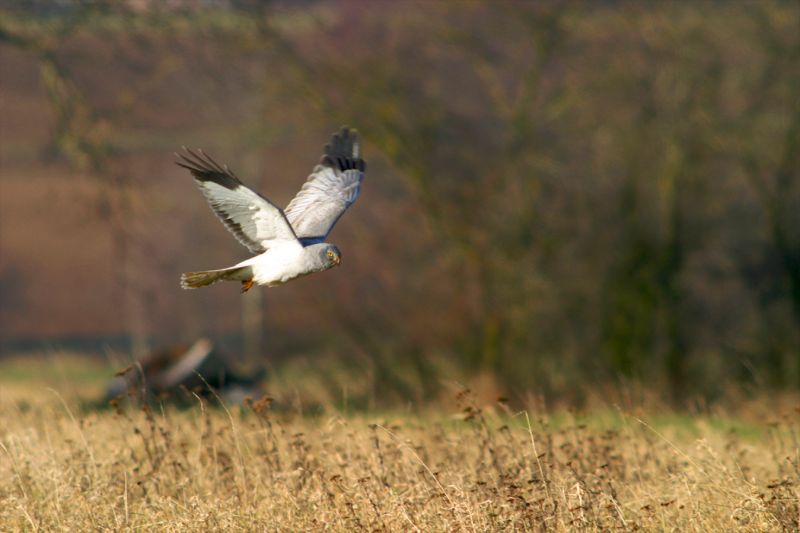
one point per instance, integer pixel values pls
(260, 467)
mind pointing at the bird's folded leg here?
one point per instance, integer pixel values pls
(246, 285)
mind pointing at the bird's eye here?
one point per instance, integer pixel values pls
(330, 254)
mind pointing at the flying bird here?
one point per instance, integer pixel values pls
(289, 243)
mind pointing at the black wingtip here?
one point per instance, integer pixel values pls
(343, 151)
(204, 168)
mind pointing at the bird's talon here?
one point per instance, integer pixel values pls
(246, 285)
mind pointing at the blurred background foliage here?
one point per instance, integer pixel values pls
(560, 195)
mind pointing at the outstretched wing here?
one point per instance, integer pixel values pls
(254, 221)
(331, 188)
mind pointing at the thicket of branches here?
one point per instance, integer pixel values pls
(559, 193)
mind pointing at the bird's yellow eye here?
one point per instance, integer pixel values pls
(330, 254)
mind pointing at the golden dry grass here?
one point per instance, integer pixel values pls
(252, 468)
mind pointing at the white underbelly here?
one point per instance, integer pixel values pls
(277, 265)
(271, 275)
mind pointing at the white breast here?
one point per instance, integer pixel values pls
(279, 264)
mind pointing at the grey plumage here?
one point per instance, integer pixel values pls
(332, 187)
(290, 244)
(251, 218)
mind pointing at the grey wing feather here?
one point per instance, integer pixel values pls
(253, 220)
(332, 187)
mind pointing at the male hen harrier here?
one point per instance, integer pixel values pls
(289, 243)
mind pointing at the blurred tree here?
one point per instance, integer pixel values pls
(559, 192)
(767, 139)
(471, 159)
(84, 137)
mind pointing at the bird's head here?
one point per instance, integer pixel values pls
(332, 256)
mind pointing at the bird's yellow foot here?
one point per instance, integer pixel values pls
(246, 285)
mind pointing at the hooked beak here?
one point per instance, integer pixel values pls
(337, 260)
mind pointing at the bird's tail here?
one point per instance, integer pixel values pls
(195, 280)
